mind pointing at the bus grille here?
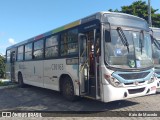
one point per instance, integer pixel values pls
(132, 83)
(134, 91)
(134, 75)
(158, 73)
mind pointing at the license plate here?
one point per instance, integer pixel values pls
(153, 88)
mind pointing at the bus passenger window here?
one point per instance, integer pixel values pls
(28, 52)
(8, 56)
(20, 53)
(38, 50)
(51, 47)
(69, 43)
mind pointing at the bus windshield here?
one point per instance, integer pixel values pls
(138, 55)
(156, 35)
(156, 50)
(125, 21)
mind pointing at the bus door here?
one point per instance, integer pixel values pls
(88, 64)
(13, 58)
(83, 64)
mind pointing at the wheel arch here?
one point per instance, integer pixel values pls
(18, 73)
(62, 78)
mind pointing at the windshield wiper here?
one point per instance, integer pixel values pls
(156, 43)
(123, 37)
(141, 40)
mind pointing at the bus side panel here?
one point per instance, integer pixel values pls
(73, 71)
(8, 71)
(28, 72)
(38, 73)
(53, 69)
(52, 73)
(18, 68)
(32, 72)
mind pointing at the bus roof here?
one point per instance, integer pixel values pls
(155, 28)
(70, 25)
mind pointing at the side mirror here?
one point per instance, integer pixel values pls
(107, 36)
(152, 39)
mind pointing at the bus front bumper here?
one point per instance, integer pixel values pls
(112, 93)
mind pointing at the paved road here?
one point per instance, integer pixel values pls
(38, 99)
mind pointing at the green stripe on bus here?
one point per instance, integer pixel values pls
(72, 25)
(66, 27)
(58, 29)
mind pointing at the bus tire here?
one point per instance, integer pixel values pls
(68, 89)
(20, 80)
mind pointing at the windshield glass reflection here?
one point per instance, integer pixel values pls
(138, 56)
(155, 49)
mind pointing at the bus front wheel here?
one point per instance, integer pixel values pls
(68, 89)
(20, 80)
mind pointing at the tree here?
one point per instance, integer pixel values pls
(140, 9)
(2, 66)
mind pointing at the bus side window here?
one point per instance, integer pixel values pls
(20, 53)
(38, 49)
(8, 56)
(28, 51)
(69, 43)
(12, 57)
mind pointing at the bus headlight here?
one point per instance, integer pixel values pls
(113, 81)
(151, 80)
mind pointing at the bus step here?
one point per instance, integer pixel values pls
(92, 81)
(84, 93)
(91, 76)
(92, 91)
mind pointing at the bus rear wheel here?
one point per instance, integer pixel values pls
(68, 89)
(20, 80)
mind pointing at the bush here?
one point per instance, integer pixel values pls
(2, 67)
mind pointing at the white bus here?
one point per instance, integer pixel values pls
(155, 32)
(105, 56)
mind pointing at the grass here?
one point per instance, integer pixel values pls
(4, 83)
